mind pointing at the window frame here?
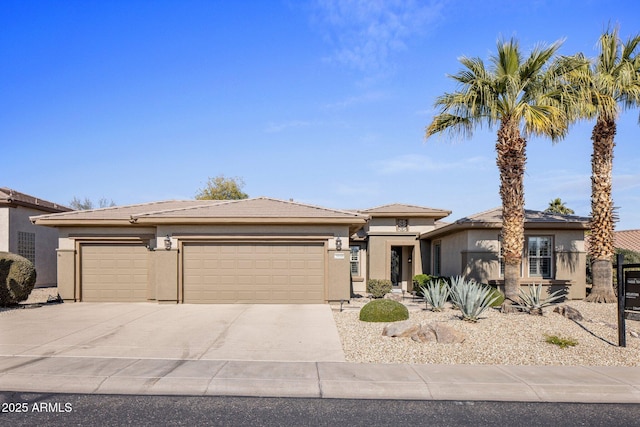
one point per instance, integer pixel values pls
(402, 224)
(437, 258)
(355, 261)
(26, 245)
(539, 265)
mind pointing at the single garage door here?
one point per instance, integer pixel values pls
(114, 272)
(253, 273)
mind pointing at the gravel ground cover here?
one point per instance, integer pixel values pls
(496, 339)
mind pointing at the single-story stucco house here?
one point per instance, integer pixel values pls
(554, 251)
(264, 250)
(258, 250)
(19, 236)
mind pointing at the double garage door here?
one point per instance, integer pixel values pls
(245, 272)
(253, 273)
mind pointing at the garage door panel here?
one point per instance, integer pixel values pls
(114, 272)
(254, 272)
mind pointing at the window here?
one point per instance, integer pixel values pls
(402, 224)
(501, 256)
(539, 256)
(27, 245)
(436, 259)
(355, 260)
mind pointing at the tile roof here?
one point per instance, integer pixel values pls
(493, 219)
(627, 239)
(404, 209)
(12, 197)
(260, 207)
(175, 211)
(495, 216)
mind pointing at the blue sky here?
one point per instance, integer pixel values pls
(321, 101)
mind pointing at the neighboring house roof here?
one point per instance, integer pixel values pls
(493, 219)
(13, 198)
(400, 209)
(627, 239)
(260, 209)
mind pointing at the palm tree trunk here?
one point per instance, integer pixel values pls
(601, 248)
(511, 159)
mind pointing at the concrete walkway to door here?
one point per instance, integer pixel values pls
(267, 332)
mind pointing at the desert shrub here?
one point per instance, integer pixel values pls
(560, 342)
(419, 282)
(495, 292)
(383, 310)
(378, 288)
(471, 298)
(533, 302)
(17, 278)
(436, 294)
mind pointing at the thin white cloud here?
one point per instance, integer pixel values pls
(366, 32)
(626, 182)
(351, 101)
(282, 126)
(422, 163)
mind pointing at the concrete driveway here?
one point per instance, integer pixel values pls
(278, 332)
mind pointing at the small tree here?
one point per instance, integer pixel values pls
(221, 188)
(87, 204)
(558, 206)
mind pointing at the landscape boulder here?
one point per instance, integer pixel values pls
(405, 328)
(429, 332)
(568, 312)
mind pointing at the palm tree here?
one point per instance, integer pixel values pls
(614, 81)
(522, 96)
(558, 206)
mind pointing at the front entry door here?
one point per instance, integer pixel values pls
(396, 265)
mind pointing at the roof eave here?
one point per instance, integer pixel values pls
(436, 215)
(249, 220)
(531, 225)
(56, 222)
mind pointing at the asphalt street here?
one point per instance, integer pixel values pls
(29, 409)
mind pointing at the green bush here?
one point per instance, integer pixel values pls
(495, 292)
(420, 281)
(17, 278)
(378, 287)
(383, 310)
(560, 342)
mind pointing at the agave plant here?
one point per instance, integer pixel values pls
(532, 299)
(435, 294)
(456, 283)
(471, 298)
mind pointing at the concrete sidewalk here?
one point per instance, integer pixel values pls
(319, 379)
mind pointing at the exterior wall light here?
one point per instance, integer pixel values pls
(338, 244)
(167, 243)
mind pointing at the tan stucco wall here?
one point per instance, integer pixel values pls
(388, 225)
(164, 276)
(450, 248)
(379, 257)
(4, 229)
(474, 253)
(337, 270)
(67, 274)
(13, 220)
